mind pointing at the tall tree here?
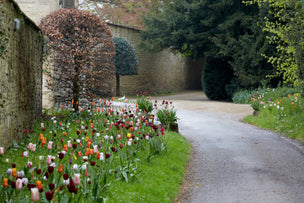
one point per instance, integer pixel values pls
(221, 29)
(285, 29)
(84, 49)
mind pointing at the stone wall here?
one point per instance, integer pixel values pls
(20, 75)
(160, 72)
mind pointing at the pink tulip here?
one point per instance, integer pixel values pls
(77, 178)
(50, 145)
(1, 150)
(34, 194)
(69, 144)
(95, 149)
(19, 184)
(49, 159)
(42, 125)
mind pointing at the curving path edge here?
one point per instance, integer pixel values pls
(232, 161)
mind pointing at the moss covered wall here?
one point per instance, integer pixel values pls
(20, 75)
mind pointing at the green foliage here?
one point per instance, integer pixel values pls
(267, 94)
(216, 75)
(166, 116)
(226, 30)
(285, 30)
(125, 59)
(283, 114)
(160, 178)
(144, 104)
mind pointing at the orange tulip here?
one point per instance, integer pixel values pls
(104, 101)
(98, 155)
(72, 101)
(92, 125)
(60, 168)
(93, 104)
(89, 144)
(65, 147)
(5, 182)
(14, 172)
(39, 185)
(102, 110)
(80, 144)
(98, 110)
(64, 133)
(41, 137)
(43, 141)
(105, 120)
(112, 98)
(79, 153)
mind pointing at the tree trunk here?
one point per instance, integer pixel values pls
(117, 85)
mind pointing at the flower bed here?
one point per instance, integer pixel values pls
(75, 156)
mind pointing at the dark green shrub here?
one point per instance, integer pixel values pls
(216, 75)
(125, 60)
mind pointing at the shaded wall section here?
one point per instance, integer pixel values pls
(160, 72)
(20, 75)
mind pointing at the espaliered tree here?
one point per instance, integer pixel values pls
(125, 60)
(83, 49)
(224, 31)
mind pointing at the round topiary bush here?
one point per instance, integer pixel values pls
(125, 59)
(216, 75)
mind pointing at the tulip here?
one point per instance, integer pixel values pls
(14, 172)
(42, 125)
(34, 194)
(39, 185)
(20, 174)
(95, 148)
(49, 195)
(60, 168)
(5, 182)
(51, 186)
(43, 141)
(38, 171)
(25, 181)
(75, 167)
(69, 144)
(77, 178)
(19, 184)
(9, 171)
(98, 155)
(50, 145)
(84, 167)
(65, 147)
(49, 159)
(29, 164)
(1, 150)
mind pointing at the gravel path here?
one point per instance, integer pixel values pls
(232, 161)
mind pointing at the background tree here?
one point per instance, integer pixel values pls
(285, 30)
(123, 12)
(125, 60)
(224, 30)
(84, 49)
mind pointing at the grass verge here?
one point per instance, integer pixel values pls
(160, 179)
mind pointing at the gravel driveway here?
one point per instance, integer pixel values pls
(232, 161)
